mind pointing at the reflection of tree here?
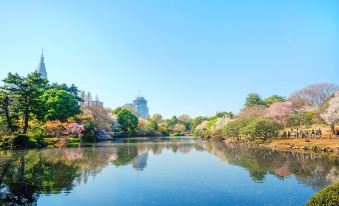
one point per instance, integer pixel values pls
(125, 154)
(25, 175)
(309, 169)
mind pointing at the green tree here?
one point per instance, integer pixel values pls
(253, 99)
(60, 104)
(127, 120)
(298, 120)
(26, 93)
(7, 113)
(153, 124)
(198, 120)
(261, 128)
(274, 99)
(233, 128)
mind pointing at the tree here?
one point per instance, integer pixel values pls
(279, 111)
(157, 118)
(224, 114)
(154, 124)
(179, 128)
(198, 120)
(298, 120)
(252, 111)
(232, 128)
(186, 120)
(313, 96)
(174, 120)
(261, 128)
(5, 111)
(102, 117)
(253, 99)
(89, 97)
(60, 104)
(274, 99)
(219, 125)
(26, 93)
(127, 120)
(331, 115)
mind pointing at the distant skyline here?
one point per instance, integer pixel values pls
(186, 57)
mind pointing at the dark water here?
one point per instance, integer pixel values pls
(162, 172)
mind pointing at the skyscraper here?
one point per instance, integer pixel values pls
(139, 105)
(41, 67)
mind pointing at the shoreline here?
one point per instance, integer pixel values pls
(318, 146)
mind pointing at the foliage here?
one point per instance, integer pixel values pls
(25, 92)
(261, 128)
(252, 111)
(101, 117)
(56, 129)
(331, 115)
(127, 120)
(329, 196)
(274, 99)
(298, 120)
(219, 125)
(60, 104)
(76, 129)
(59, 129)
(198, 120)
(232, 129)
(254, 99)
(224, 114)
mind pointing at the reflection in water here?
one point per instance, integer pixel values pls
(311, 169)
(24, 175)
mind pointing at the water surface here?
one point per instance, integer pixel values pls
(162, 171)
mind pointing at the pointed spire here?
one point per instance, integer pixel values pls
(41, 67)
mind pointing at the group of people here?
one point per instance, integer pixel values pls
(303, 133)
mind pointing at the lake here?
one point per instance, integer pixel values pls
(162, 171)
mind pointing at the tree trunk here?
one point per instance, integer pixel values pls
(26, 118)
(8, 117)
(332, 128)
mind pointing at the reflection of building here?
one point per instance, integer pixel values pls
(141, 162)
(41, 69)
(139, 105)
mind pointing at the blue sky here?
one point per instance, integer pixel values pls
(193, 56)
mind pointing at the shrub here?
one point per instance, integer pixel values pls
(232, 129)
(261, 128)
(56, 129)
(16, 141)
(6, 142)
(329, 196)
(21, 140)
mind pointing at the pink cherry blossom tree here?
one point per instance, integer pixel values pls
(279, 111)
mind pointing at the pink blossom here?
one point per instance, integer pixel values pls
(279, 111)
(76, 129)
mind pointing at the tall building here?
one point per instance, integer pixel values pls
(42, 67)
(139, 105)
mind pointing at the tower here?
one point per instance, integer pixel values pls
(140, 105)
(41, 67)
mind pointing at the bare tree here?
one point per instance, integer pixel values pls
(102, 117)
(313, 96)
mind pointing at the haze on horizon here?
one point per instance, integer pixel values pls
(193, 57)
